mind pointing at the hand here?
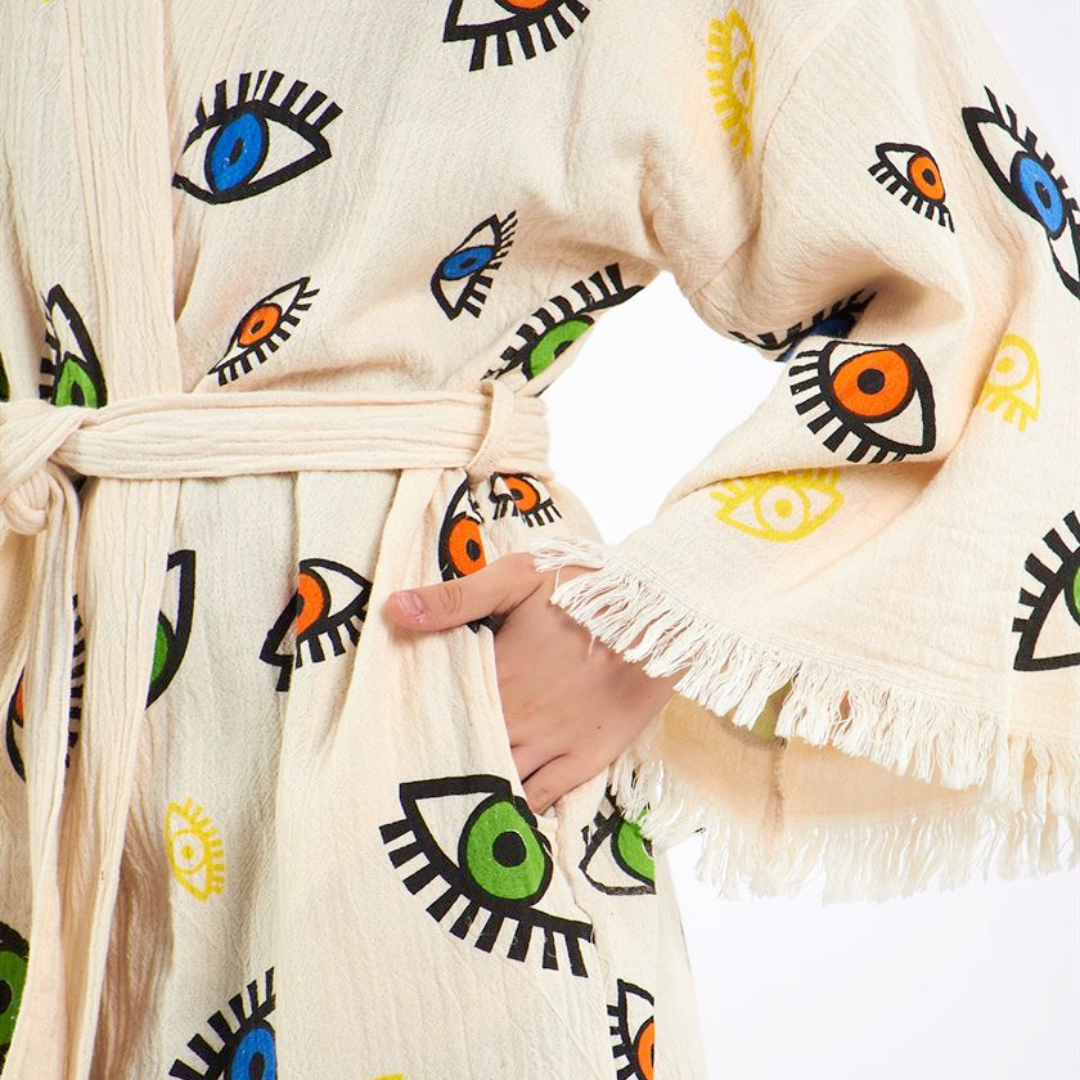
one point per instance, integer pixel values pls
(570, 709)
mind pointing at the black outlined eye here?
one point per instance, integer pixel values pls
(269, 322)
(524, 497)
(732, 74)
(247, 1049)
(1027, 179)
(16, 714)
(174, 627)
(555, 327)
(633, 1032)
(526, 21)
(618, 860)
(834, 322)
(1054, 600)
(1013, 382)
(329, 598)
(252, 143)
(5, 387)
(14, 953)
(779, 506)
(70, 374)
(461, 279)
(196, 853)
(461, 544)
(911, 173)
(880, 395)
(479, 842)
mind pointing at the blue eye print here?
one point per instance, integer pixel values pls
(461, 279)
(835, 322)
(254, 143)
(247, 1050)
(506, 20)
(1027, 179)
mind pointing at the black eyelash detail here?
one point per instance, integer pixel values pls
(58, 305)
(473, 294)
(521, 26)
(605, 829)
(559, 311)
(461, 543)
(260, 349)
(624, 1048)
(885, 172)
(851, 307)
(418, 854)
(1053, 584)
(16, 721)
(247, 1019)
(523, 497)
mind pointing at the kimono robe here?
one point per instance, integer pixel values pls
(281, 288)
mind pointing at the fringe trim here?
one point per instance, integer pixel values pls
(1030, 782)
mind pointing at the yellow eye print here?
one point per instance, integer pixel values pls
(1013, 382)
(733, 77)
(780, 506)
(196, 853)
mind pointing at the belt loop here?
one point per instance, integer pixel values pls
(500, 416)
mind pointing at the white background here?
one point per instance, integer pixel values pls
(980, 983)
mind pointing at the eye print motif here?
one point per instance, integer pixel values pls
(779, 506)
(16, 715)
(835, 322)
(262, 330)
(524, 20)
(555, 327)
(173, 633)
(14, 953)
(1027, 179)
(618, 860)
(461, 545)
(196, 853)
(633, 1032)
(461, 278)
(911, 174)
(1054, 602)
(523, 497)
(247, 1049)
(879, 395)
(732, 76)
(1013, 382)
(256, 140)
(480, 841)
(329, 598)
(70, 374)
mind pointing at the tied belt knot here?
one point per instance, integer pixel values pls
(151, 442)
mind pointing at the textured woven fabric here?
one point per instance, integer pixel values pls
(281, 284)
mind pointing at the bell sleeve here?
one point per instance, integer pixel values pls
(870, 590)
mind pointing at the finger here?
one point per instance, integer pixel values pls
(492, 590)
(529, 758)
(552, 781)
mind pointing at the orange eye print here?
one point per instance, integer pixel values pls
(780, 506)
(523, 497)
(330, 602)
(465, 547)
(633, 1031)
(527, 22)
(911, 173)
(263, 330)
(461, 543)
(879, 396)
(1013, 382)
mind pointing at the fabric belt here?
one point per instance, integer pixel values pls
(156, 440)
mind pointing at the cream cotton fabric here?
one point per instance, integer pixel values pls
(281, 286)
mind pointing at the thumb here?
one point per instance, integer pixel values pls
(494, 589)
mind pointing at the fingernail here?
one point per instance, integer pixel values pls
(411, 603)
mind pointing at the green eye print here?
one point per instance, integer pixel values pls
(174, 625)
(555, 327)
(618, 859)
(13, 957)
(503, 852)
(470, 851)
(70, 374)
